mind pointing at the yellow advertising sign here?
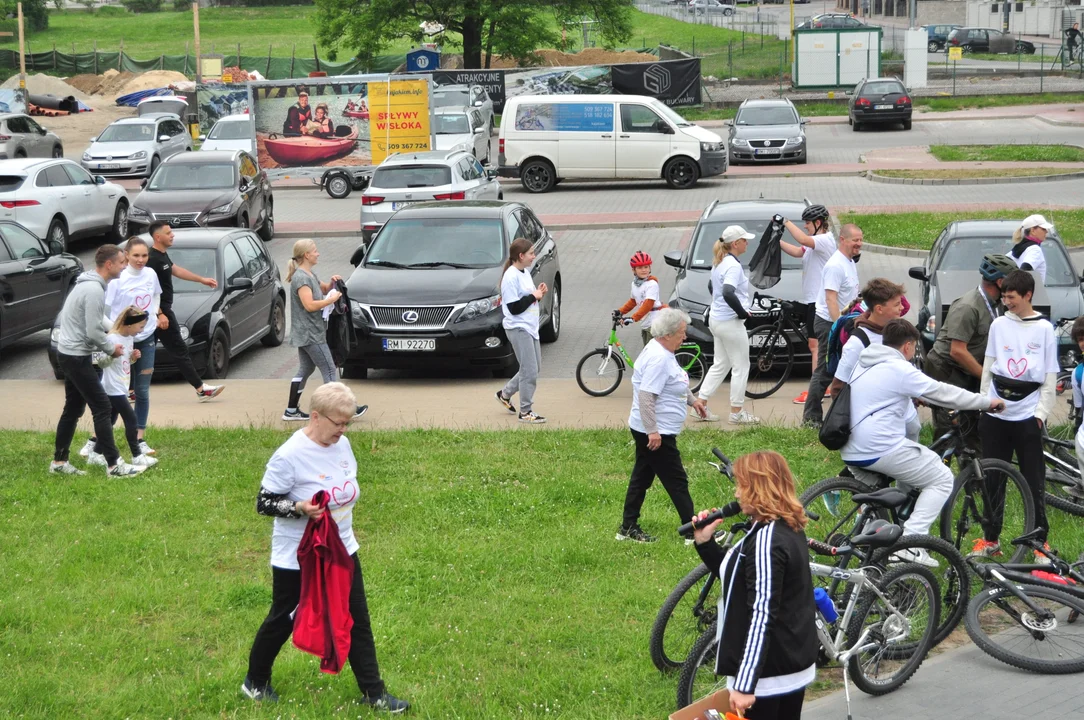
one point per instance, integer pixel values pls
(398, 117)
(955, 53)
(227, 78)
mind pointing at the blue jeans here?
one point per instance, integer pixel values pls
(141, 381)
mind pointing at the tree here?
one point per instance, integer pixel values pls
(35, 14)
(507, 27)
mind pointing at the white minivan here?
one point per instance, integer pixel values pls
(547, 138)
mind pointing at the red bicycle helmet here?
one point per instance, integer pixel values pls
(640, 259)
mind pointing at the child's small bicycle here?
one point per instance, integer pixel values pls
(599, 372)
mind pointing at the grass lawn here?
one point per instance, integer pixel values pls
(976, 173)
(1007, 153)
(919, 230)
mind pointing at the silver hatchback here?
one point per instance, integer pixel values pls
(407, 178)
(21, 136)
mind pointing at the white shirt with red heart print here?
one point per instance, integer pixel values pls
(1023, 350)
(299, 469)
(134, 287)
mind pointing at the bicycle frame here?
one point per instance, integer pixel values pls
(614, 342)
(783, 314)
(836, 648)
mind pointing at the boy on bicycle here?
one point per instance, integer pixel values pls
(645, 295)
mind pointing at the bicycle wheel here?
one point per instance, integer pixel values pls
(953, 578)
(832, 513)
(599, 372)
(680, 621)
(968, 509)
(896, 642)
(1064, 489)
(692, 362)
(1006, 628)
(698, 676)
(771, 358)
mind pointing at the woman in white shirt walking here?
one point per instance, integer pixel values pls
(519, 303)
(729, 309)
(1027, 248)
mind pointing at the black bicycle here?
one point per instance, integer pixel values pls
(771, 347)
(1064, 483)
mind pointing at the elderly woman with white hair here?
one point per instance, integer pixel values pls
(316, 458)
(660, 402)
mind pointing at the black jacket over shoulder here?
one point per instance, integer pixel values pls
(767, 611)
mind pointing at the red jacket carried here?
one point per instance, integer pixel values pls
(322, 622)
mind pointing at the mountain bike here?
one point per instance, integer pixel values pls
(771, 347)
(1064, 484)
(599, 372)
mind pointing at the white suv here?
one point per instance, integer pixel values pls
(407, 178)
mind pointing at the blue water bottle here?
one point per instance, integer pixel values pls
(825, 605)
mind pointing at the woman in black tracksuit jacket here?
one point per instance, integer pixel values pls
(768, 637)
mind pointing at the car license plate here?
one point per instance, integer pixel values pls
(767, 151)
(108, 166)
(883, 107)
(402, 204)
(410, 344)
(760, 340)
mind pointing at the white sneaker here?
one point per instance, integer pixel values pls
(123, 469)
(145, 449)
(708, 416)
(65, 468)
(743, 418)
(88, 448)
(94, 458)
(144, 461)
(915, 555)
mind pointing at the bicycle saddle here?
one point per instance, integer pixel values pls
(879, 533)
(888, 497)
(1035, 534)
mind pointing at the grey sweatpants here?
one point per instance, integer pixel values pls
(315, 357)
(529, 354)
(916, 467)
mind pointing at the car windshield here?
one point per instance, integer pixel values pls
(883, 88)
(964, 253)
(767, 116)
(452, 125)
(128, 132)
(190, 176)
(200, 261)
(411, 176)
(436, 242)
(709, 232)
(451, 98)
(232, 130)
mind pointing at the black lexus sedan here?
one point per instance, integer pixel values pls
(426, 291)
(248, 306)
(35, 278)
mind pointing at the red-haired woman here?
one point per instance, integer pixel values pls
(767, 633)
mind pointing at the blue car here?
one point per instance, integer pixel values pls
(938, 37)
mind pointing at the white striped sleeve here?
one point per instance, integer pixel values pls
(761, 592)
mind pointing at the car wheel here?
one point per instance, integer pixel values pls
(906, 124)
(537, 176)
(932, 47)
(242, 220)
(58, 152)
(965, 49)
(803, 159)
(218, 355)
(500, 195)
(338, 186)
(20, 153)
(267, 230)
(681, 173)
(552, 329)
(856, 126)
(58, 231)
(355, 370)
(277, 332)
(119, 232)
(155, 162)
(728, 12)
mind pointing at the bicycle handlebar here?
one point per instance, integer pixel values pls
(822, 548)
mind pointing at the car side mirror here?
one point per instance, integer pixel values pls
(918, 273)
(664, 128)
(848, 93)
(94, 139)
(163, 138)
(240, 284)
(143, 183)
(491, 173)
(673, 258)
(478, 103)
(202, 138)
(728, 123)
(99, 180)
(358, 255)
(479, 130)
(56, 247)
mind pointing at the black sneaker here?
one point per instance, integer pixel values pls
(506, 402)
(290, 415)
(262, 693)
(386, 702)
(635, 534)
(359, 411)
(531, 417)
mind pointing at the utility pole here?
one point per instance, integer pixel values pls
(22, 51)
(912, 14)
(195, 23)
(792, 39)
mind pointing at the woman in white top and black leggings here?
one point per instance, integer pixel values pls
(519, 303)
(729, 309)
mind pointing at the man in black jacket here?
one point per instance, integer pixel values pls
(298, 116)
(1072, 40)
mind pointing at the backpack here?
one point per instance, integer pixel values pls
(836, 429)
(841, 331)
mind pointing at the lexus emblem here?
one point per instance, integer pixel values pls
(410, 316)
(175, 221)
(767, 143)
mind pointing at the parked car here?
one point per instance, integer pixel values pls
(474, 96)
(937, 37)
(879, 101)
(832, 20)
(21, 136)
(767, 131)
(952, 268)
(408, 178)
(426, 292)
(693, 265)
(233, 132)
(135, 147)
(711, 7)
(461, 129)
(248, 306)
(35, 278)
(57, 200)
(217, 188)
(988, 40)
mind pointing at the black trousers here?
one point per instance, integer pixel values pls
(664, 463)
(122, 408)
(778, 707)
(171, 339)
(819, 382)
(1000, 438)
(82, 388)
(277, 627)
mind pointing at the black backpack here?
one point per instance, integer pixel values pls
(836, 429)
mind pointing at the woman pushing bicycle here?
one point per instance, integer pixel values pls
(645, 300)
(767, 632)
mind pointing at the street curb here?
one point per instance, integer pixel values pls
(872, 176)
(1059, 123)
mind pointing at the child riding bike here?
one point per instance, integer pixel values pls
(645, 295)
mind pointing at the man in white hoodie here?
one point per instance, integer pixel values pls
(883, 386)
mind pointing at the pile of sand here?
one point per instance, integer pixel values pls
(113, 84)
(590, 56)
(40, 84)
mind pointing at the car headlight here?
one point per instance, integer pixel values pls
(138, 212)
(222, 209)
(184, 333)
(86, 156)
(931, 324)
(710, 147)
(357, 312)
(736, 142)
(796, 140)
(477, 308)
(138, 156)
(54, 336)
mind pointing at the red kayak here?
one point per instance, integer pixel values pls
(361, 114)
(308, 149)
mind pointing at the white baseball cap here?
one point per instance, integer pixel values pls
(1034, 221)
(734, 233)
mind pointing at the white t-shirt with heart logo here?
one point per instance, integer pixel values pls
(1023, 350)
(116, 372)
(140, 288)
(299, 469)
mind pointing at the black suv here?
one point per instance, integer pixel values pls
(426, 291)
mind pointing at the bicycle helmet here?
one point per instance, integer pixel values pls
(996, 266)
(813, 213)
(640, 259)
